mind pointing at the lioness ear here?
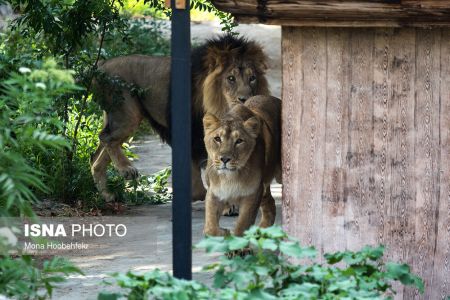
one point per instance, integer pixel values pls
(210, 121)
(252, 126)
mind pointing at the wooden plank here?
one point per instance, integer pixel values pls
(426, 154)
(441, 273)
(307, 157)
(381, 90)
(310, 22)
(312, 128)
(360, 183)
(336, 144)
(394, 69)
(329, 13)
(292, 95)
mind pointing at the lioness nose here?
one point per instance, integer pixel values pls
(242, 98)
(225, 159)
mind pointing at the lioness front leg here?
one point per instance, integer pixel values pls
(213, 209)
(248, 210)
(268, 209)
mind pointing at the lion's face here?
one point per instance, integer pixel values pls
(230, 142)
(235, 72)
(239, 82)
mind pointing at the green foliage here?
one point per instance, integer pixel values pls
(268, 272)
(27, 130)
(26, 278)
(146, 189)
(141, 36)
(226, 19)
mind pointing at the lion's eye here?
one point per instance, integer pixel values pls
(252, 78)
(217, 139)
(239, 141)
(231, 78)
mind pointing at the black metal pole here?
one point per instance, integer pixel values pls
(181, 142)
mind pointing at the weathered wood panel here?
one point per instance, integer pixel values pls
(442, 263)
(339, 13)
(366, 144)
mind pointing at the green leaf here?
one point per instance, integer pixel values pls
(269, 244)
(293, 249)
(333, 258)
(213, 244)
(236, 243)
(402, 273)
(274, 232)
(108, 296)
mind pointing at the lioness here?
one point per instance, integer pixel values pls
(225, 71)
(243, 158)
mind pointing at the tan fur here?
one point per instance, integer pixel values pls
(212, 92)
(243, 158)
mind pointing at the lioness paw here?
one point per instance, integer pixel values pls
(230, 210)
(216, 231)
(240, 252)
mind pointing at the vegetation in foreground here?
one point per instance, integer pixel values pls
(262, 265)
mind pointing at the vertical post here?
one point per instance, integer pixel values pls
(181, 140)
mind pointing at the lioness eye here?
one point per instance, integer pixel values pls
(252, 78)
(217, 139)
(239, 141)
(231, 78)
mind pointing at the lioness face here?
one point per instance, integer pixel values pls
(230, 142)
(239, 83)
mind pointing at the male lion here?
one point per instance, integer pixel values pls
(243, 158)
(225, 71)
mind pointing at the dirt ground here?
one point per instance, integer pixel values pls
(148, 243)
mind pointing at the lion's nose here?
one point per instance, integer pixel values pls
(242, 98)
(225, 159)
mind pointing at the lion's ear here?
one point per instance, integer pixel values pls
(210, 122)
(215, 58)
(252, 126)
(262, 65)
(256, 54)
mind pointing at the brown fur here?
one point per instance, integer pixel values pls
(243, 158)
(212, 91)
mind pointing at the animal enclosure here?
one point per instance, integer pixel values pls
(366, 127)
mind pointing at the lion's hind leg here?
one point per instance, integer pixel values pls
(99, 164)
(122, 123)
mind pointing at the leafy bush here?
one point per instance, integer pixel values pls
(25, 278)
(150, 189)
(268, 271)
(31, 38)
(142, 36)
(27, 131)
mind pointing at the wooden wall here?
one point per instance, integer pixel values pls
(366, 144)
